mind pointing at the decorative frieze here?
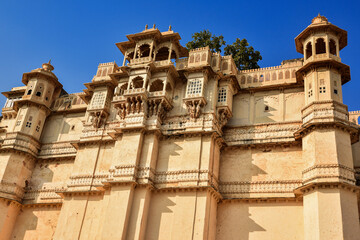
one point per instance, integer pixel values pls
(325, 111)
(256, 188)
(11, 190)
(329, 173)
(21, 142)
(261, 133)
(58, 149)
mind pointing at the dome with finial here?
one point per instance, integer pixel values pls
(48, 66)
(319, 19)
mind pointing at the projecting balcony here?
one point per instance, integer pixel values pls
(160, 94)
(134, 91)
(182, 63)
(322, 56)
(163, 63)
(140, 60)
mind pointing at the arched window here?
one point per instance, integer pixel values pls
(130, 55)
(145, 50)
(261, 79)
(156, 86)
(29, 92)
(280, 75)
(203, 57)
(197, 58)
(320, 46)
(273, 77)
(293, 75)
(123, 88)
(224, 66)
(255, 78)
(287, 74)
(163, 54)
(308, 51)
(99, 73)
(249, 79)
(191, 59)
(104, 72)
(243, 80)
(213, 63)
(137, 82)
(332, 46)
(267, 77)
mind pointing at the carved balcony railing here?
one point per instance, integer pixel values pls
(140, 60)
(182, 63)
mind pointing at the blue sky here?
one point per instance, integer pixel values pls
(78, 35)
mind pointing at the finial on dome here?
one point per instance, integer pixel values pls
(319, 19)
(154, 26)
(169, 28)
(146, 27)
(48, 66)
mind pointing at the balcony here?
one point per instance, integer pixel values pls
(140, 60)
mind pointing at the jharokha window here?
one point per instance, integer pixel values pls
(194, 86)
(222, 95)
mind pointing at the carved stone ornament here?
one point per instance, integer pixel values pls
(98, 118)
(194, 107)
(223, 116)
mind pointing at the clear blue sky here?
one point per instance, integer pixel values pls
(78, 35)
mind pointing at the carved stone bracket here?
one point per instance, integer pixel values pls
(194, 106)
(223, 115)
(98, 118)
(131, 105)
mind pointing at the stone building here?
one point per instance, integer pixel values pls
(182, 145)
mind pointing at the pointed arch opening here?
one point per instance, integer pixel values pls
(332, 46)
(156, 86)
(308, 51)
(320, 46)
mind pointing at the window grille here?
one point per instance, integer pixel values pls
(222, 95)
(194, 86)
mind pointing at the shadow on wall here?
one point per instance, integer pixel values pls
(160, 207)
(27, 224)
(168, 151)
(234, 218)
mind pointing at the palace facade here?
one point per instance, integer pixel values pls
(178, 144)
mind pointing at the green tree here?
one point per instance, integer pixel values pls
(245, 56)
(206, 38)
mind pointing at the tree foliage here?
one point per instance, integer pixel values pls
(206, 38)
(245, 57)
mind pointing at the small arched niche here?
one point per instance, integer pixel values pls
(162, 54)
(137, 82)
(308, 50)
(332, 46)
(156, 86)
(320, 46)
(145, 50)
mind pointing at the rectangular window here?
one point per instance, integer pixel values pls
(335, 91)
(222, 95)
(98, 100)
(194, 86)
